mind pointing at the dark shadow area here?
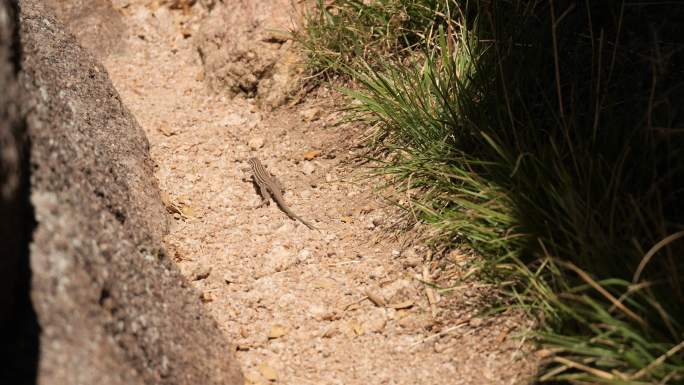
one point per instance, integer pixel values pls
(19, 329)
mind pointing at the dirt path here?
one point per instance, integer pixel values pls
(294, 300)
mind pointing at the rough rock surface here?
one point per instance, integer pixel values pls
(111, 307)
(95, 23)
(245, 50)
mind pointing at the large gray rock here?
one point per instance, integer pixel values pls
(107, 304)
(95, 23)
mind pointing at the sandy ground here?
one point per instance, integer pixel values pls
(344, 305)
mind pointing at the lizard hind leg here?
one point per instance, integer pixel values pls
(264, 194)
(278, 185)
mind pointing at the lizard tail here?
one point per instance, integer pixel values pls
(297, 217)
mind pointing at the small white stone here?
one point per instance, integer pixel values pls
(256, 142)
(304, 255)
(279, 259)
(308, 168)
(318, 312)
(375, 321)
(305, 194)
(311, 114)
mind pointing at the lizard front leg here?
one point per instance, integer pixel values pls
(278, 185)
(264, 193)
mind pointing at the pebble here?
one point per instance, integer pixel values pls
(399, 291)
(268, 372)
(304, 255)
(311, 114)
(317, 311)
(476, 322)
(413, 321)
(305, 194)
(377, 273)
(375, 321)
(200, 272)
(230, 277)
(277, 331)
(412, 261)
(308, 168)
(411, 258)
(256, 142)
(233, 120)
(279, 258)
(331, 330)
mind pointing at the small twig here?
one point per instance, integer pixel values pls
(430, 292)
(440, 334)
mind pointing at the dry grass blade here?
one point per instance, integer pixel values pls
(647, 258)
(440, 334)
(586, 278)
(584, 368)
(658, 361)
(430, 292)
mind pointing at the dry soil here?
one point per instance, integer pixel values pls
(348, 304)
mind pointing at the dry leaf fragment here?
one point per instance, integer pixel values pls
(324, 283)
(268, 372)
(311, 155)
(502, 337)
(251, 380)
(402, 305)
(311, 114)
(166, 130)
(178, 211)
(243, 347)
(185, 31)
(331, 331)
(187, 210)
(277, 331)
(206, 296)
(375, 298)
(356, 327)
(166, 200)
(200, 272)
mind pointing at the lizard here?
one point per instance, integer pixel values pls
(270, 187)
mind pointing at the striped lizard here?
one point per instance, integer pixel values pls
(270, 187)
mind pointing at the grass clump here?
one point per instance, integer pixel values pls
(547, 135)
(344, 33)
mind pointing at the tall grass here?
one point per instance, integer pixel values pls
(547, 135)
